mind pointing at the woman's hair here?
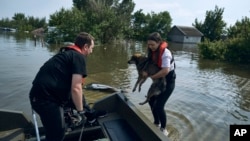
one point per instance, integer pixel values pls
(83, 38)
(155, 36)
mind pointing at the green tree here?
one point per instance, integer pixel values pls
(139, 22)
(152, 22)
(213, 27)
(160, 22)
(238, 49)
(106, 19)
(68, 23)
(234, 49)
(6, 22)
(22, 23)
(241, 29)
(19, 21)
(85, 5)
(124, 11)
(37, 22)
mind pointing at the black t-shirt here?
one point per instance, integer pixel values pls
(53, 81)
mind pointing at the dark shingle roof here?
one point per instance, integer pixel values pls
(189, 31)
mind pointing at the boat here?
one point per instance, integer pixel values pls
(7, 29)
(124, 122)
(102, 87)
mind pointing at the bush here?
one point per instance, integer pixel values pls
(234, 50)
(212, 50)
(238, 50)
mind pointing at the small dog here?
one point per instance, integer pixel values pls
(143, 64)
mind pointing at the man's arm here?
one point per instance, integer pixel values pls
(76, 91)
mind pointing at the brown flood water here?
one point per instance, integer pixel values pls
(208, 97)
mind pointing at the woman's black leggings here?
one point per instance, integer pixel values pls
(157, 103)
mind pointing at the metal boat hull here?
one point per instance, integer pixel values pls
(124, 122)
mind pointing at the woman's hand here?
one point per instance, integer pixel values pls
(144, 74)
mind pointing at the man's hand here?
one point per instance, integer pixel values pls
(91, 117)
(79, 118)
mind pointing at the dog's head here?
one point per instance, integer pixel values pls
(136, 59)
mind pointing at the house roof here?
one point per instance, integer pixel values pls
(38, 31)
(189, 31)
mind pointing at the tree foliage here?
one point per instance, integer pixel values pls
(6, 22)
(241, 29)
(160, 22)
(213, 27)
(233, 49)
(22, 23)
(68, 23)
(106, 19)
(151, 22)
(139, 22)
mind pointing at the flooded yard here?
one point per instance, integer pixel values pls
(209, 96)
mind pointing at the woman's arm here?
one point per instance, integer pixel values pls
(162, 73)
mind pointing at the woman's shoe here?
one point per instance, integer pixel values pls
(164, 131)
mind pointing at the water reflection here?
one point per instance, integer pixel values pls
(209, 95)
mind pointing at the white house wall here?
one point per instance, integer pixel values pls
(190, 39)
(179, 36)
(176, 38)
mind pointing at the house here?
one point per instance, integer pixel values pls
(38, 32)
(184, 34)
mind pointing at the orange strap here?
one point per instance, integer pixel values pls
(76, 48)
(162, 47)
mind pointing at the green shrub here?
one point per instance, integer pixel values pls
(212, 50)
(235, 50)
(238, 50)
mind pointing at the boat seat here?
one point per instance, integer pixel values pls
(120, 130)
(12, 135)
(18, 120)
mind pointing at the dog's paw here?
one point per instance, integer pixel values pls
(142, 103)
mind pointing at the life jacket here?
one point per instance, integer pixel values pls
(76, 48)
(162, 48)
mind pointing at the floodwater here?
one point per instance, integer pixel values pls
(209, 96)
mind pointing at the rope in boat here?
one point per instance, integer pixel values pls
(80, 138)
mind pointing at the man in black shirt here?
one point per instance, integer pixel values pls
(58, 82)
